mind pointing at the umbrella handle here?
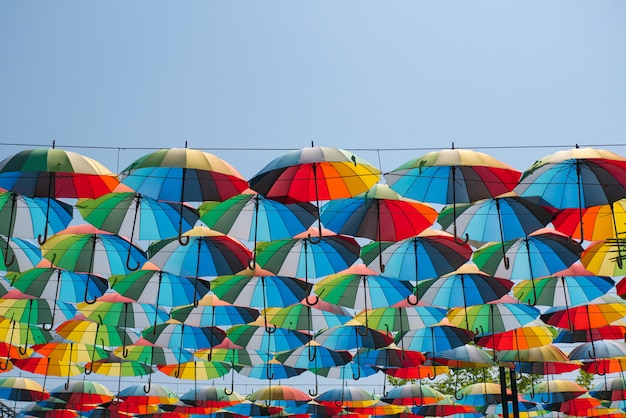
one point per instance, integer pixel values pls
(363, 334)
(315, 240)
(124, 350)
(456, 387)
(358, 375)
(410, 301)
(4, 366)
(313, 393)
(232, 384)
(89, 370)
(252, 263)
(128, 266)
(269, 374)
(317, 299)
(146, 387)
(270, 329)
(314, 351)
(339, 404)
(461, 241)
(42, 239)
(7, 261)
(182, 241)
(48, 327)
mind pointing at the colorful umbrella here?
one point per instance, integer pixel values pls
(211, 397)
(18, 254)
(21, 389)
(610, 390)
(211, 311)
(346, 396)
(413, 394)
(256, 336)
(71, 352)
(352, 335)
(443, 408)
(389, 357)
(84, 249)
(529, 336)
(83, 395)
(434, 339)
(146, 352)
(116, 310)
(304, 317)
(576, 178)
(546, 359)
(155, 394)
(59, 284)
(54, 173)
(22, 334)
(428, 255)
(452, 176)
(480, 394)
(195, 370)
(466, 284)
(279, 393)
(492, 318)
(593, 315)
(234, 356)
(36, 311)
(119, 367)
(402, 318)
(175, 335)
(248, 409)
(604, 349)
(604, 258)
(270, 370)
(312, 355)
(94, 333)
(465, 356)
(207, 253)
(601, 222)
(254, 218)
(555, 391)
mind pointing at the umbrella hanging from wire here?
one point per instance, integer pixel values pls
(428, 255)
(600, 222)
(254, 218)
(18, 254)
(453, 176)
(183, 175)
(53, 173)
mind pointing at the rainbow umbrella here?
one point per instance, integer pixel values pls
(389, 357)
(576, 178)
(176, 335)
(603, 349)
(254, 218)
(249, 409)
(465, 356)
(434, 339)
(256, 336)
(83, 395)
(593, 315)
(428, 370)
(49, 367)
(346, 396)
(269, 370)
(465, 284)
(531, 335)
(452, 176)
(544, 360)
(312, 355)
(21, 389)
(119, 367)
(146, 352)
(211, 397)
(234, 356)
(94, 333)
(36, 311)
(18, 254)
(155, 394)
(211, 311)
(70, 352)
(59, 284)
(350, 370)
(430, 254)
(401, 318)
(22, 334)
(54, 173)
(444, 407)
(493, 318)
(413, 394)
(601, 222)
(352, 335)
(280, 394)
(304, 317)
(379, 214)
(195, 370)
(604, 258)
(480, 394)
(555, 391)
(116, 310)
(610, 390)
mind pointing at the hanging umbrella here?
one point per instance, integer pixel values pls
(21, 389)
(391, 356)
(94, 333)
(248, 409)
(604, 258)
(378, 409)
(304, 317)
(270, 370)
(528, 336)
(379, 214)
(402, 318)
(452, 176)
(593, 315)
(604, 349)
(259, 288)
(252, 217)
(570, 287)
(233, 356)
(175, 335)
(59, 284)
(156, 394)
(600, 222)
(350, 370)
(615, 331)
(610, 390)
(296, 257)
(346, 396)
(466, 284)
(207, 253)
(312, 355)
(352, 335)
(71, 352)
(159, 288)
(256, 336)
(211, 311)
(555, 391)
(49, 367)
(84, 249)
(501, 218)
(18, 254)
(146, 352)
(465, 356)
(442, 408)
(434, 339)
(21, 334)
(429, 370)
(195, 370)
(286, 394)
(428, 255)
(413, 394)
(119, 367)
(480, 394)
(576, 178)
(492, 318)
(82, 395)
(36, 311)
(543, 360)
(54, 173)
(362, 291)
(211, 397)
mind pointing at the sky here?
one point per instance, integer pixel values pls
(249, 81)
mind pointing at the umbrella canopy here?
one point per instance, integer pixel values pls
(36, 311)
(314, 174)
(389, 357)
(604, 258)
(304, 317)
(529, 336)
(601, 222)
(352, 335)
(207, 253)
(59, 284)
(83, 394)
(94, 333)
(346, 396)
(196, 370)
(22, 334)
(175, 335)
(85, 249)
(71, 352)
(501, 218)
(51, 172)
(257, 336)
(610, 390)
(465, 356)
(492, 318)
(312, 355)
(593, 315)
(119, 367)
(183, 175)
(22, 389)
(543, 360)
(434, 339)
(112, 309)
(136, 216)
(443, 408)
(146, 352)
(211, 397)
(270, 370)
(18, 254)
(25, 217)
(605, 349)
(156, 394)
(211, 311)
(48, 367)
(279, 393)
(379, 214)
(399, 319)
(555, 391)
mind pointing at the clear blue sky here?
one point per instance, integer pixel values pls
(278, 74)
(365, 75)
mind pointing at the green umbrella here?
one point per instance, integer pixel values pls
(304, 317)
(493, 318)
(402, 318)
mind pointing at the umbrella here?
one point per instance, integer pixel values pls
(312, 355)
(84, 249)
(379, 214)
(601, 221)
(156, 394)
(443, 408)
(528, 336)
(603, 349)
(480, 394)
(571, 287)
(546, 359)
(212, 311)
(428, 255)
(429, 370)
(146, 352)
(611, 390)
(434, 339)
(576, 178)
(593, 315)
(555, 391)
(119, 367)
(176, 335)
(113, 309)
(465, 284)
(402, 318)
(389, 357)
(17, 333)
(21, 389)
(93, 333)
(35, 311)
(346, 396)
(159, 288)
(270, 370)
(452, 176)
(18, 254)
(207, 253)
(255, 336)
(249, 409)
(465, 356)
(234, 356)
(352, 335)
(211, 397)
(71, 352)
(362, 291)
(501, 218)
(287, 394)
(304, 317)
(195, 370)
(296, 257)
(604, 258)
(83, 394)
(47, 366)
(54, 173)
(413, 394)
(492, 318)
(59, 284)
(350, 370)
(252, 217)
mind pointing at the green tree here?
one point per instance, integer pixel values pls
(585, 379)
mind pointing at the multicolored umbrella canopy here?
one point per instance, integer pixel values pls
(28, 217)
(257, 336)
(413, 394)
(401, 318)
(176, 335)
(434, 339)
(379, 214)
(555, 391)
(352, 335)
(211, 311)
(196, 370)
(600, 222)
(18, 254)
(493, 318)
(113, 309)
(529, 336)
(304, 317)
(136, 216)
(314, 174)
(312, 355)
(22, 389)
(183, 175)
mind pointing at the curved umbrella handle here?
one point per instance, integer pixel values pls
(410, 301)
(5, 365)
(314, 351)
(49, 327)
(86, 300)
(183, 239)
(42, 240)
(232, 381)
(8, 261)
(147, 386)
(128, 266)
(358, 375)
(89, 370)
(318, 239)
(252, 262)
(313, 393)
(363, 334)
(316, 300)
(269, 374)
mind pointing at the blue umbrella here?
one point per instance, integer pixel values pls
(434, 339)
(256, 336)
(25, 217)
(313, 356)
(183, 336)
(352, 335)
(270, 370)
